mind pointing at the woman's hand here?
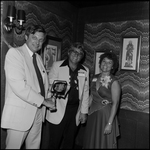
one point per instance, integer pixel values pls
(108, 129)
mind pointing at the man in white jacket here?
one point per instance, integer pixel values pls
(22, 113)
(61, 126)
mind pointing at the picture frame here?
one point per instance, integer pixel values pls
(96, 63)
(51, 52)
(130, 53)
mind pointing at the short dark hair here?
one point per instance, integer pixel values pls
(112, 56)
(34, 28)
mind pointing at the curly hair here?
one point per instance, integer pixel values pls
(112, 56)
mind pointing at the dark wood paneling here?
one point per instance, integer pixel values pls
(134, 129)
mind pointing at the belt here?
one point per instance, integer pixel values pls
(105, 102)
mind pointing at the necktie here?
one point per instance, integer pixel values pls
(39, 76)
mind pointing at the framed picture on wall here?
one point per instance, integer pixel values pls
(52, 51)
(130, 53)
(96, 64)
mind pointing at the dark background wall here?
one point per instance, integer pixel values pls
(61, 20)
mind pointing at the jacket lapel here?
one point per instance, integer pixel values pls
(30, 66)
(81, 80)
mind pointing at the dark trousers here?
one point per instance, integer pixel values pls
(61, 136)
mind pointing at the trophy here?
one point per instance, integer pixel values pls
(58, 90)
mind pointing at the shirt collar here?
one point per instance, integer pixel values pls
(66, 63)
(30, 52)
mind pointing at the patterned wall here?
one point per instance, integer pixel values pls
(135, 85)
(54, 25)
(97, 36)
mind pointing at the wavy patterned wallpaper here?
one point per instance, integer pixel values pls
(135, 85)
(54, 25)
(97, 36)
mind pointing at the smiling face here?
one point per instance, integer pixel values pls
(75, 55)
(106, 65)
(35, 41)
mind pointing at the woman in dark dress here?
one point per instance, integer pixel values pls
(102, 126)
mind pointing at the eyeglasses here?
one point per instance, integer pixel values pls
(76, 53)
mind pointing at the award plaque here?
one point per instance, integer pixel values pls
(58, 90)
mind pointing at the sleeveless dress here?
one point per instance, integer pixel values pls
(98, 116)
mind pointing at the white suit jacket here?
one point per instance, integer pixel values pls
(22, 97)
(59, 72)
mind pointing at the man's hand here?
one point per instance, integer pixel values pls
(49, 102)
(83, 118)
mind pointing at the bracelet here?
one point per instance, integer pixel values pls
(109, 123)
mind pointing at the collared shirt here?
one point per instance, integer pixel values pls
(31, 55)
(73, 96)
(30, 52)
